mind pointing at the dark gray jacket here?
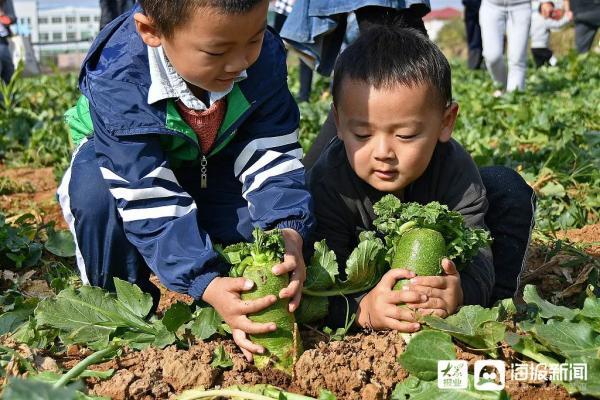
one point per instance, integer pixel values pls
(343, 206)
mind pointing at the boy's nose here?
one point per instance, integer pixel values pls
(237, 65)
(383, 150)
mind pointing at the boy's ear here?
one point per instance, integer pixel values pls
(336, 118)
(146, 29)
(448, 122)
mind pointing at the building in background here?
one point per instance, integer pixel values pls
(61, 33)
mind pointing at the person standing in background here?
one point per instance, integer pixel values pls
(7, 18)
(513, 18)
(111, 9)
(318, 28)
(282, 9)
(540, 33)
(473, 30)
(586, 15)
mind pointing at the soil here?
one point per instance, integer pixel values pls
(589, 234)
(41, 203)
(564, 276)
(168, 297)
(362, 366)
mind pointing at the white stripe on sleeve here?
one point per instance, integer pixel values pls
(162, 173)
(267, 158)
(290, 165)
(65, 204)
(146, 193)
(111, 176)
(262, 143)
(155, 212)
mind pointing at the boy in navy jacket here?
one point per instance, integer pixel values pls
(186, 136)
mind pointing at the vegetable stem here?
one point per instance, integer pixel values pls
(406, 226)
(82, 365)
(540, 358)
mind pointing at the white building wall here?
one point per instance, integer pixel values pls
(51, 29)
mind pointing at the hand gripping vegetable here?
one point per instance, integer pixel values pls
(254, 261)
(419, 236)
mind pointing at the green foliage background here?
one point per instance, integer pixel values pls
(550, 133)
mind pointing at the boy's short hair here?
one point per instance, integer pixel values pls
(387, 56)
(167, 15)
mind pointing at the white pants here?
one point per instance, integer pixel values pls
(495, 21)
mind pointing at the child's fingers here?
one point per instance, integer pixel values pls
(296, 281)
(406, 296)
(434, 311)
(432, 302)
(247, 347)
(401, 314)
(427, 291)
(393, 275)
(439, 282)
(295, 302)
(401, 326)
(254, 328)
(240, 284)
(449, 267)
(290, 263)
(291, 290)
(253, 306)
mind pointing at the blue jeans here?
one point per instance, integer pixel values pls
(305, 73)
(317, 27)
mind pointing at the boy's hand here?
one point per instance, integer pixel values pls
(444, 292)
(293, 262)
(224, 295)
(379, 308)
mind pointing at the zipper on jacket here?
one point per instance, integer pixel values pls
(203, 172)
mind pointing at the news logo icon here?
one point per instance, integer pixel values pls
(490, 375)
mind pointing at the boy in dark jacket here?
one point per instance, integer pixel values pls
(186, 136)
(394, 115)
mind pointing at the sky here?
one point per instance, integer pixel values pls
(94, 3)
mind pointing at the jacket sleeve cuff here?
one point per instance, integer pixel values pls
(298, 225)
(200, 283)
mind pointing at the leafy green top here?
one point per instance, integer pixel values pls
(267, 248)
(364, 267)
(395, 218)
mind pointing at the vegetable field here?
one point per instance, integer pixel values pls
(62, 340)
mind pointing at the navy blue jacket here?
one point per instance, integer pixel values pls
(151, 161)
